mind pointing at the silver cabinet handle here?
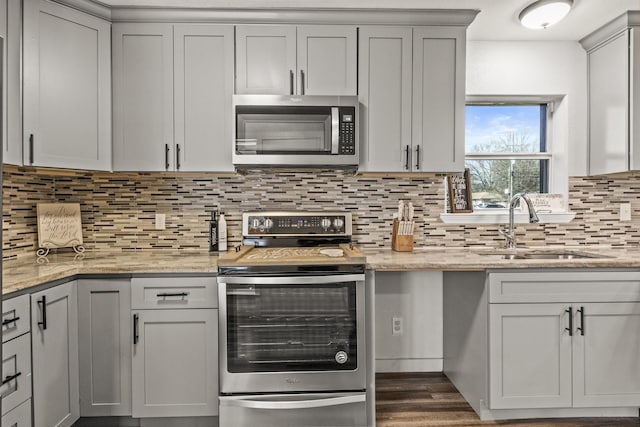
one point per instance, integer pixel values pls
(293, 404)
(321, 280)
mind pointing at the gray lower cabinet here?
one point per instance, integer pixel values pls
(571, 353)
(15, 389)
(175, 348)
(19, 416)
(67, 87)
(54, 340)
(104, 343)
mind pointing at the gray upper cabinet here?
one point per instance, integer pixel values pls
(385, 98)
(143, 97)
(412, 89)
(67, 88)
(438, 99)
(614, 96)
(303, 60)
(172, 97)
(11, 26)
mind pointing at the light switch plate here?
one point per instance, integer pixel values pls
(625, 211)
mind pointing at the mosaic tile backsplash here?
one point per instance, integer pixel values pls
(118, 209)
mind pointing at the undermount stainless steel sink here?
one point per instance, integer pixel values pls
(548, 255)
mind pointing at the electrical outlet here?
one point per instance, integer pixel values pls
(625, 211)
(397, 325)
(160, 221)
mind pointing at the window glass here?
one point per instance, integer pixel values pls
(506, 152)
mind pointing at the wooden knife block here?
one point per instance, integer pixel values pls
(401, 243)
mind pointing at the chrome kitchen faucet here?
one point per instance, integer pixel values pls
(510, 234)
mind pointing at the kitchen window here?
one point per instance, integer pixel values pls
(512, 145)
(506, 151)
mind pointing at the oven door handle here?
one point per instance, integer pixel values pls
(294, 404)
(295, 280)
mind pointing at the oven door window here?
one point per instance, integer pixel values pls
(283, 130)
(276, 328)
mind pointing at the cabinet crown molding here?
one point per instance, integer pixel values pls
(612, 28)
(346, 16)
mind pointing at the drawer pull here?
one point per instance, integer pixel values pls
(43, 303)
(175, 294)
(10, 378)
(570, 328)
(9, 321)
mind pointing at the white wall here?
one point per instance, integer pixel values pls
(539, 68)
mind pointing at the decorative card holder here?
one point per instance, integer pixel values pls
(459, 185)
(59, 226)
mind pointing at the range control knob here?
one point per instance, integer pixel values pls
(338, 222)
(326, 223)
(342, 357)
(268, 223)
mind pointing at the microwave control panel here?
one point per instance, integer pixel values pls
(347, 141)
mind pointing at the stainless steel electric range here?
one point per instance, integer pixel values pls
(292, 323)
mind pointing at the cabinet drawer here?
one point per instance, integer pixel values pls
(174, 292)
(18, 417)
(564, 286)
(16, 372)
(15, 317)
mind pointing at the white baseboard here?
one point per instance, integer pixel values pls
(408, 365)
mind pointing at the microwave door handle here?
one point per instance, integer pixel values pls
(335, 130)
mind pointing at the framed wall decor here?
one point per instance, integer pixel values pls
(459, 185)
(59, 226)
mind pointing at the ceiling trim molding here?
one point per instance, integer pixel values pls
(610, 30)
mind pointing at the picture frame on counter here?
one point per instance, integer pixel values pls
(459, 192)
(59, 226)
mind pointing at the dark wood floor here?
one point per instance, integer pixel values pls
(429, 399)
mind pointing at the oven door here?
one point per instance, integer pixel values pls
(299, 333)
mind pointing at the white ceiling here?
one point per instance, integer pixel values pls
(498, 19)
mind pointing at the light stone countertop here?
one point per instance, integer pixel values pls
(18, 275)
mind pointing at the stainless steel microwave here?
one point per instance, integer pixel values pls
(295, 131)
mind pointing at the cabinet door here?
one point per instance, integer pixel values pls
(104, 343)
(327, 60)
(438, 99)
(266, 59)
(54, 339)
(203, 70)
(385, 97)
(67, 92)
(606, 359)
(529, 356)
(609, 106)
(18, 417)
(175, 363)
(12, 152)
(143, 97)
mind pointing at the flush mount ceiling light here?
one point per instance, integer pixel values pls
(544, 13)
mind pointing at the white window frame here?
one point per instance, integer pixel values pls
(555, 169)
